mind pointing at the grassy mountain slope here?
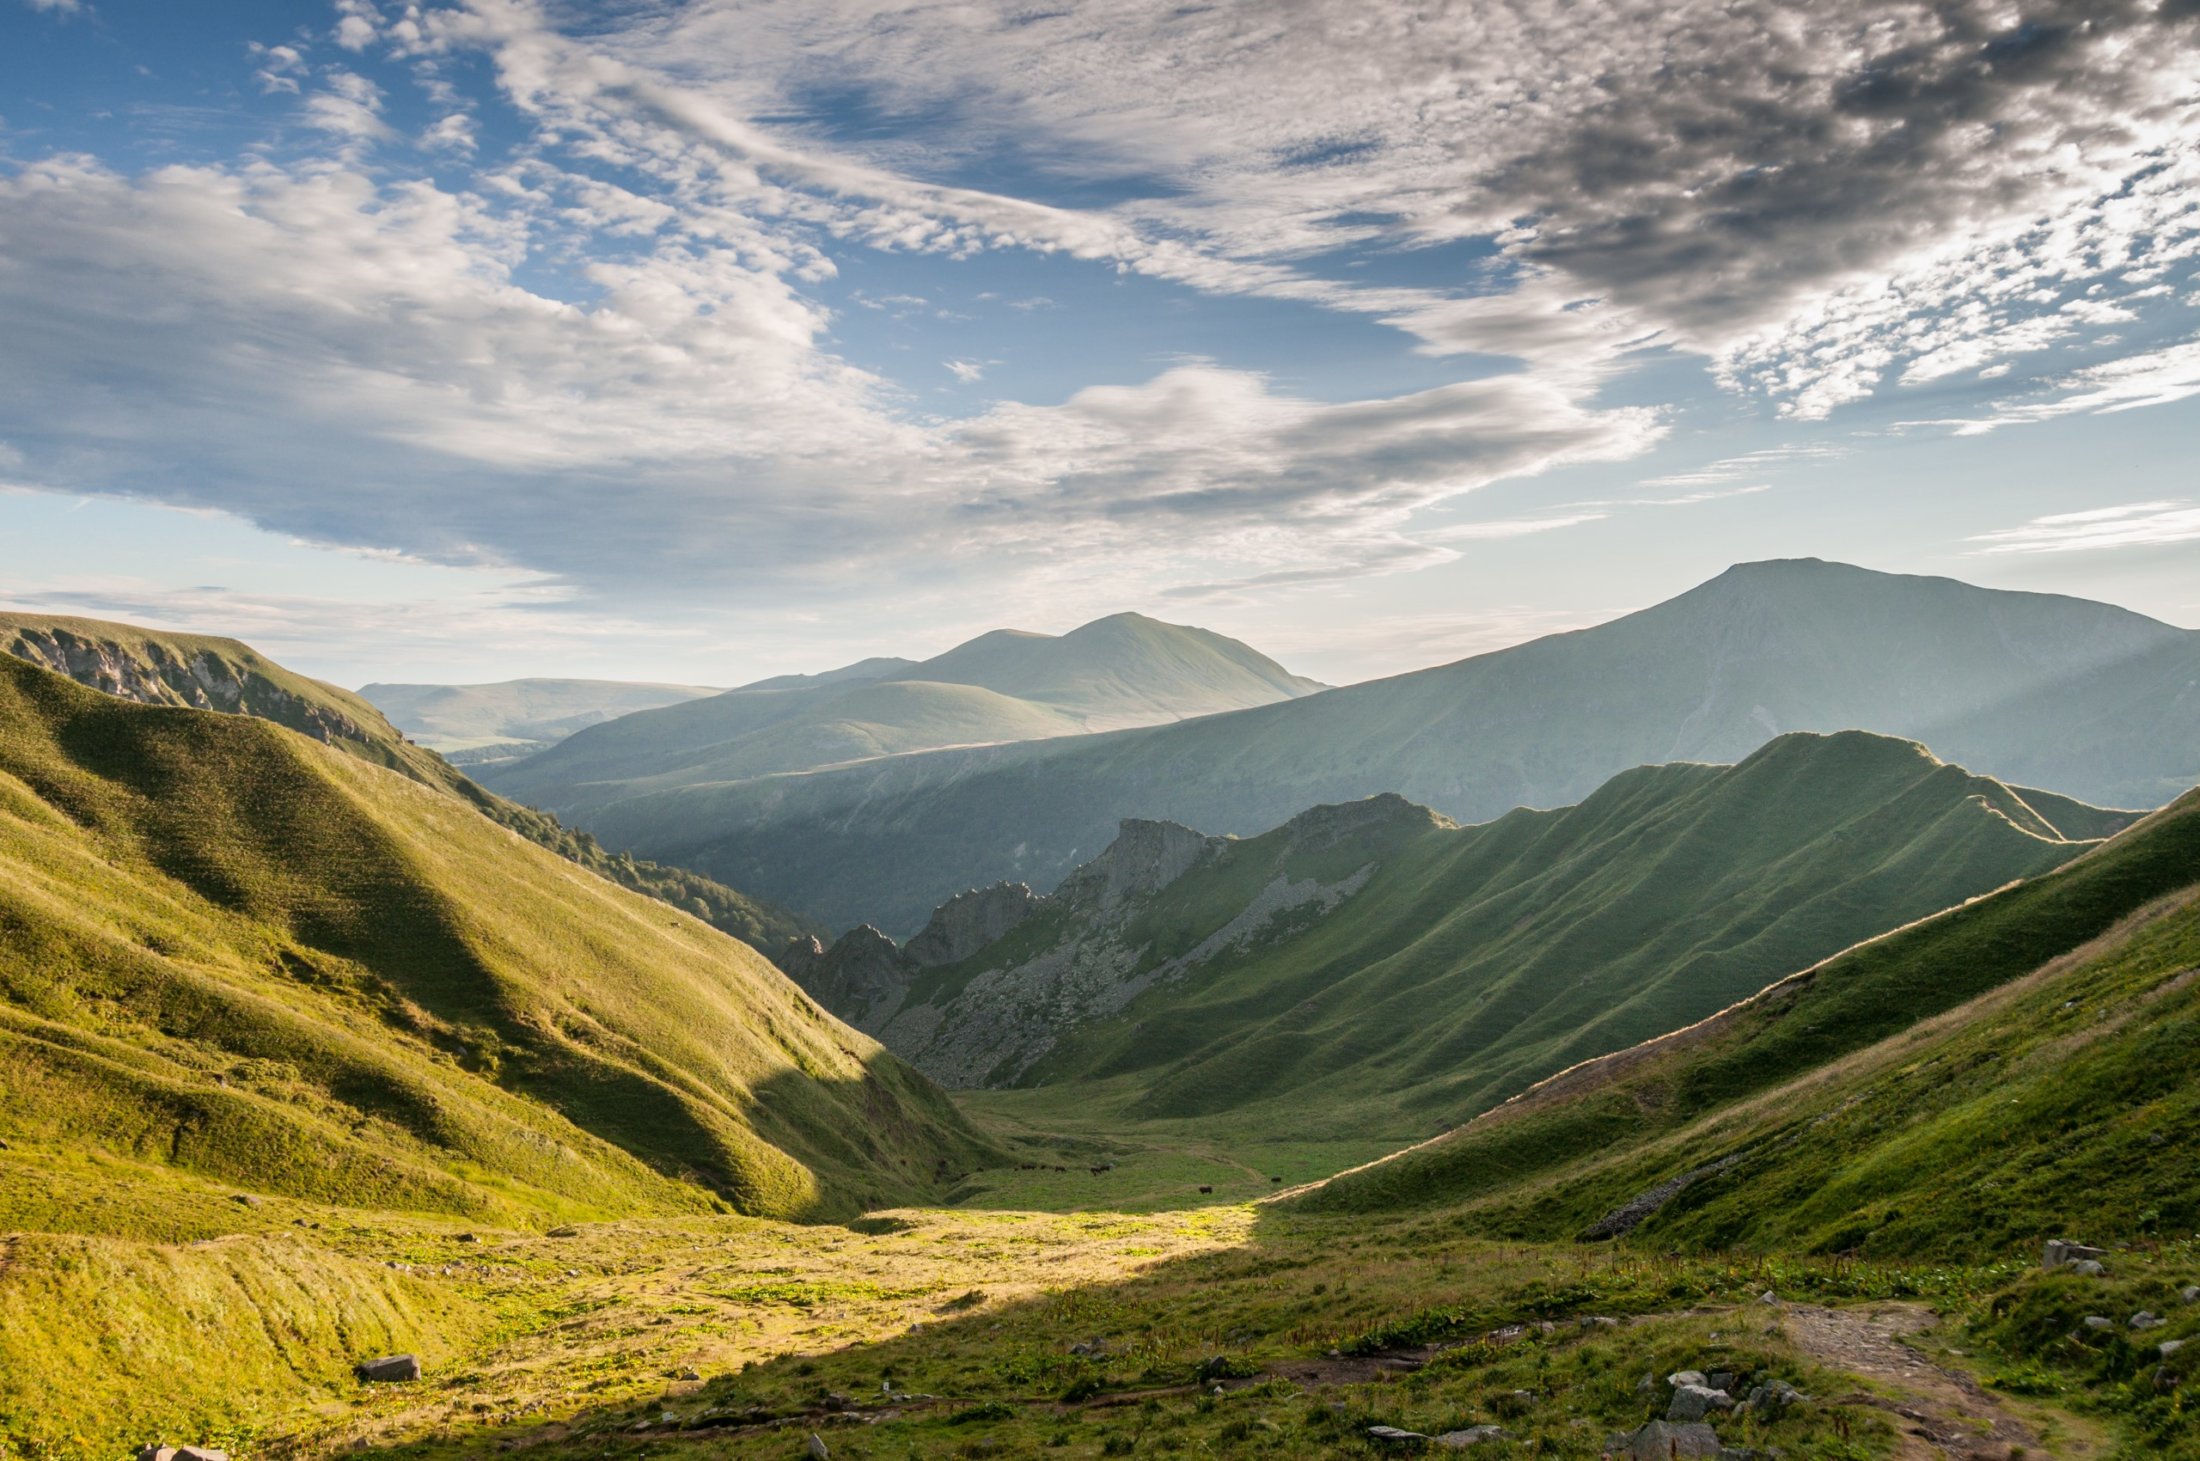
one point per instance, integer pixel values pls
(1763, 649)
(513, 717)
(1374, 965)
(1947, 1089)
(156, 667)
(1006, 686)
(239, 953)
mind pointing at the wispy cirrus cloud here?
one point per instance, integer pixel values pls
(2133, 525)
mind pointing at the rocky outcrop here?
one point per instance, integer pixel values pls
(968, 922)
(861, 978)
(1144, 858)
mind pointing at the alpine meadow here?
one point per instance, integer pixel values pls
(864, 730)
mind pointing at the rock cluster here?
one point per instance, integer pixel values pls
(1685, 1429)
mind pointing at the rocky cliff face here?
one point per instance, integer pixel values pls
(969, 921)
(994, 1009)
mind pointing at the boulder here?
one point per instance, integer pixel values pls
(2169, 1347)
(1775, 1395)
(2146, 1319)
(1390, 1435)
(388, 1370)
(2088, 1268)
(2098, 1322)
(156, 1453)
(2190, 1293)
(1662, 1441)
(1694, 1402)
(1686, 1377)
(1723, 1380)
(2061, 1252)
(1473, 1435)
(816, 1449)
(200, 1453)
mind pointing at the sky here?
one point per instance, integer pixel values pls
(705, 341)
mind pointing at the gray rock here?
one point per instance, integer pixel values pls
(1723, 1380)
(2061, 1251)
(1473, 1435)
(1775, 1395)
(969, 921)
(816, 1449)
(1599, 1321)
(2098, 1322)
(2147, 1319)
(567, 1231)
(1768, 1297)
(1686, 1377)
(1660, 1441)
(2089, 1268)
(390, 1369)
(1694, 1402)
(2190, 1293)
(2169, 1347)
(156, 1453)
(1391, 1435)
(200, 1453)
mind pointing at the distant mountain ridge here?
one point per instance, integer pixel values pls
(472, 724)
(205, 672)
(2092, 701)
(1416, 972)
(1004, 686)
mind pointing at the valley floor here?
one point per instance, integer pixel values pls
(1127, 1321)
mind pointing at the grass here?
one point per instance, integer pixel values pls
(1470, 961)
(267, 963)
(2066, 1011)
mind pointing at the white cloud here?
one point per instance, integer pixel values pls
(2154, 378)
(969, 372)
(2137, 524)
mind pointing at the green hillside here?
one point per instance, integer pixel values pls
(1412, 972)
(1980, 675)
(1004, 687)
(242, 955)
(479, 723)
(1954, 1089)
(157, 667)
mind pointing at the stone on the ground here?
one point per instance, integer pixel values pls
(2088, 1268)
(817, 1450)
(1599, 1321)
(1660, 1441)
(1694, 1402)
(1473, 1435)
(1768, 1297)
(2190, 1293)
(2169, 1347)
(2061, 1251)
(1391, 1435)
(2098, 1321)
(390, 1369)
(1685, 1377)
(567, 1231)
(200, 1453)
(1775, 1395)
(156, 1453)
(2147, 1319)
(1723, 1380)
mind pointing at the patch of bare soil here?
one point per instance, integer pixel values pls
(1943, 1411)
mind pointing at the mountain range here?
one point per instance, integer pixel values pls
(1006, 686)
(2086, 699)
(475, 724)
(1416, 972)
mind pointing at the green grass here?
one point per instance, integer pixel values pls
(1955, 1088)
(256, 959)
(157, 667)
(1474, 961)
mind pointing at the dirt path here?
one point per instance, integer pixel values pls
(1943, 1412)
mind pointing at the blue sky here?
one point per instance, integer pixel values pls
(701, 341)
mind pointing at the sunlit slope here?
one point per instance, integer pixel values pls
(1006, 686)
(512, 717)
(239, 952)
(157, 667)
(2020, 1063)
(1412, 973)
(1763, 649)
